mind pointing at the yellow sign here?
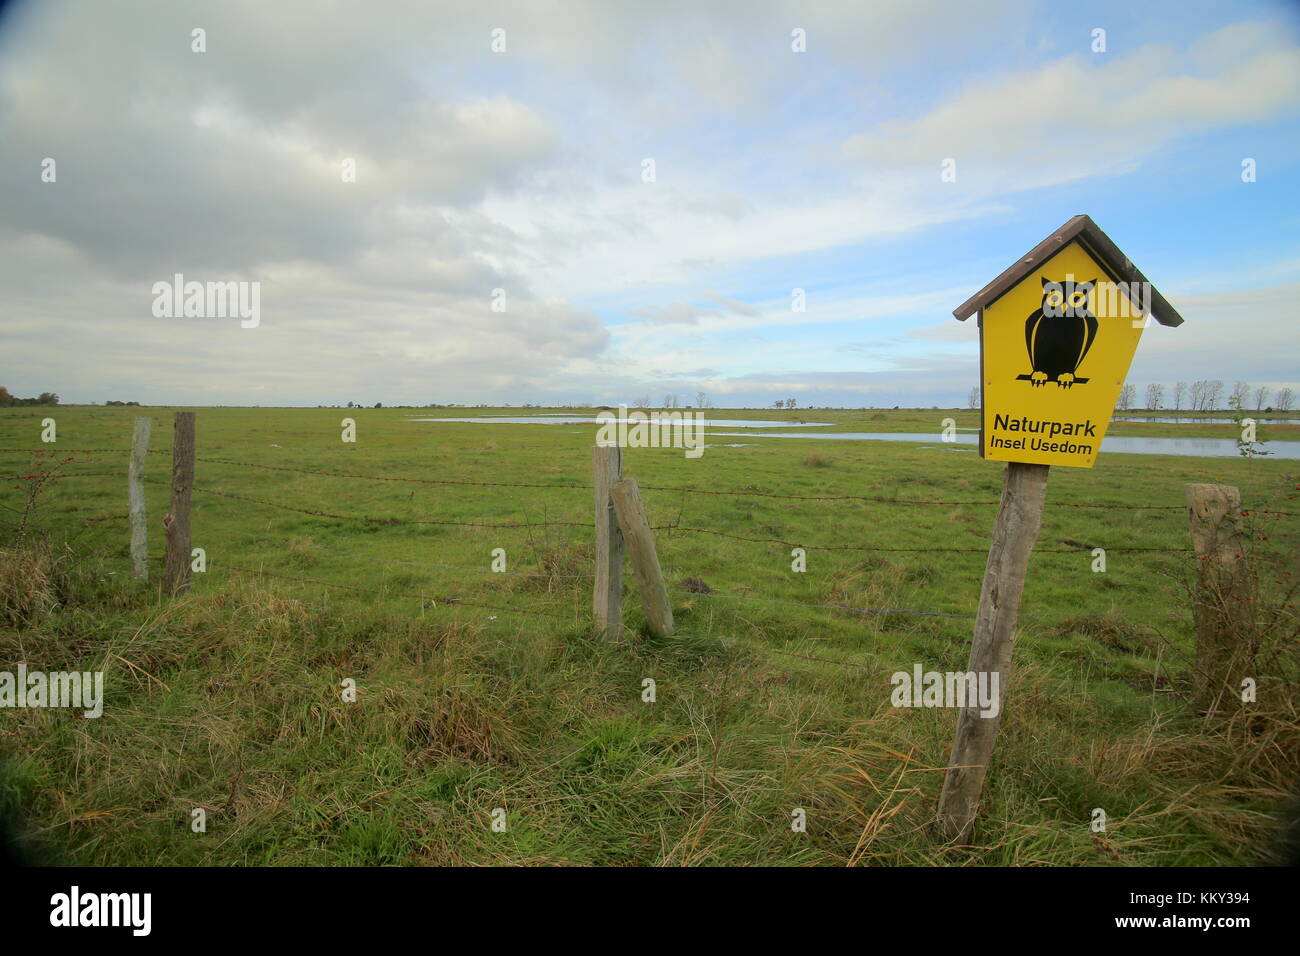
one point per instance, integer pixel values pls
(1058, 330)
(1054, 350)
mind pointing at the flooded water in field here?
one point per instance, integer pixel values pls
(1264, 420)
(1122, 444)
(583, 419)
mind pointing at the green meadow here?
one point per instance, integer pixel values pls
(478, 690)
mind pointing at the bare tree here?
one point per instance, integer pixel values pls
(973, 400)
(1284, 399)
(1126, 396)
(642, 402)
(701, 400)
(1180, 389)
(790, 403)
(1240, 393)
(1261, 396)
(1214, 392)
(779, 403)
(670, 400)
(1155, 396)
(1197, 398)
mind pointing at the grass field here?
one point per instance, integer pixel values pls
(228, 698)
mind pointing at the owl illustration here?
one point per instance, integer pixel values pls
(1059, 334)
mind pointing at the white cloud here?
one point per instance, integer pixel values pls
(522, 172)
(1246, 334)
(1075, 118)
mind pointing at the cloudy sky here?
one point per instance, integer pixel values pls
(524, 170)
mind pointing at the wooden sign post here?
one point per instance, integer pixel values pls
(1020, 514)
(1057, 335)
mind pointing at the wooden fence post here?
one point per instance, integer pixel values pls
(135, 493)
(1222, 609)
(1020, 515)
(607, 596)
(640, 539)
(176, 526)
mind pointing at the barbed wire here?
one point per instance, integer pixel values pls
(317, 513)
(674, 590)
(464, 602)
(66, 451)
(397, 478)
(457, 601)
(664, 488)
(984, 502)
(452, 601)
(446, 600)
(426, 564)
(1041, 617)
(121, 517)
(370, 519)
(67, 474)
(812, 657)
(693, 593)
(894, 501)
(430, 601)
(711, 594)
(874, 548)
(831, 607)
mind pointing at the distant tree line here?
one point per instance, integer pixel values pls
(1201, 396)
(670, 401)
(9, 401)
(1207, 395)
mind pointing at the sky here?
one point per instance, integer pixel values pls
(524, 170)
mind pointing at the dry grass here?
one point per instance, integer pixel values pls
(876, 585)
(1109, 630)
(29, 582)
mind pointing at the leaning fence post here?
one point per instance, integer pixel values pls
(640, 539)
(176, 526)
(607, 596)
(1224, 587)
(135, 493)
(1020, 515)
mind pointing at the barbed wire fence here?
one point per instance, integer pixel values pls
(430, 598)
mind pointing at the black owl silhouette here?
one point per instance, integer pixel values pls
(1060, 333)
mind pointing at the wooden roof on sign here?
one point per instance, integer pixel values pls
(1098, 245)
